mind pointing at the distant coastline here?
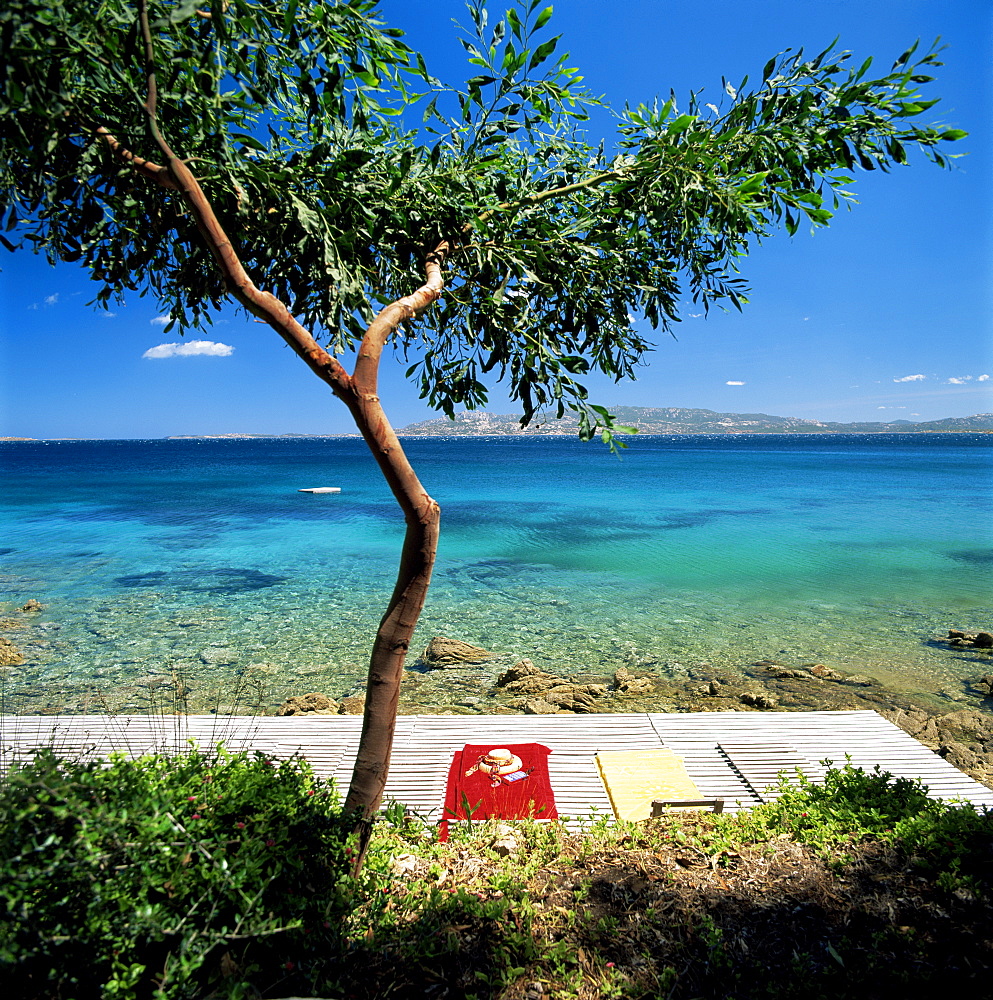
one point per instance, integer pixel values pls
(647, 420)
(681, 420)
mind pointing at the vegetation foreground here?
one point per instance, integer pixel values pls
(219, 875)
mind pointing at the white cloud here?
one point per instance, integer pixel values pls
(960, 381)
(192, 348)
(911, 378)
(50, 300)
(734, 383)
(983, 378)
(160, 320)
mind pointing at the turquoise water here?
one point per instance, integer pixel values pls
(201, 556)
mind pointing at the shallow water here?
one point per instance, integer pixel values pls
(201, 556)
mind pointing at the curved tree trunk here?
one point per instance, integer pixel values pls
(420, 547)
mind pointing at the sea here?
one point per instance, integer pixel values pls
(200, 558)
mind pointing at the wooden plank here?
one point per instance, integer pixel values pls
(764, 765)
(424, 744)
(863, 737)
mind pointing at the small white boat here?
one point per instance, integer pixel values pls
(321, 489)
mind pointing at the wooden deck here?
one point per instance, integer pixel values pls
(732, 755)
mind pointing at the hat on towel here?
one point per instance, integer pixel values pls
(501, 761)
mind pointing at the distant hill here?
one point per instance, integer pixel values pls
(679, 420)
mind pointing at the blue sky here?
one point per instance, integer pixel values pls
(885, 315)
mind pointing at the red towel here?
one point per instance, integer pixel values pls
(524, 793)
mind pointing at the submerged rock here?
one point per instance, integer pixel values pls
(789, 672)
(825, 673)
(219, 656)
(759, 700)
(32, 605)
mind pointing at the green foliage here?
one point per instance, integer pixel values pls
(137, 879)
(951, 841)
(296, 116)
(167, 874)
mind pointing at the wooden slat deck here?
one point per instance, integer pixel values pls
(764, 765)
(766, 742)
(864, 737)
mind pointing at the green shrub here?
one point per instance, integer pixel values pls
(951, 841)
(167, 877)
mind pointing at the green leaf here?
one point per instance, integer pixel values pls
(543, 52)
(249, 140)
(680, 124)
(183, 11)
(543, 18)
(753, 183)
(953, 135)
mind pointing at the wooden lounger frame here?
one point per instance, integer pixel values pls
(659, 806)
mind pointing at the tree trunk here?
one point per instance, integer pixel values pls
(420, 547)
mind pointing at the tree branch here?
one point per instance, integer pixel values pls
(157, 173)
(381, 328)
(557, 192)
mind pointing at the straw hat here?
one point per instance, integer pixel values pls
(501, 761)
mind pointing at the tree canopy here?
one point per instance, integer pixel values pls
(298, 121)
(266, 152)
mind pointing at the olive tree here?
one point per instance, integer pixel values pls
(202, 151)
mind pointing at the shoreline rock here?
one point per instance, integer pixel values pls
(958, 638)
(308, 704)
(10, 655)
(444, 652)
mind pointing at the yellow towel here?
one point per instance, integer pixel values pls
(635, 778)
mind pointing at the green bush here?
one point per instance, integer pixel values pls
(951, 841)
(168, 877)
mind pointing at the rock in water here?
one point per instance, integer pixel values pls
(10, 655)
(308, 704)
(442, 652)
(626, 683)
(974, 640)
(759, 700)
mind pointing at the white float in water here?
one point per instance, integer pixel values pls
(321, 489)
